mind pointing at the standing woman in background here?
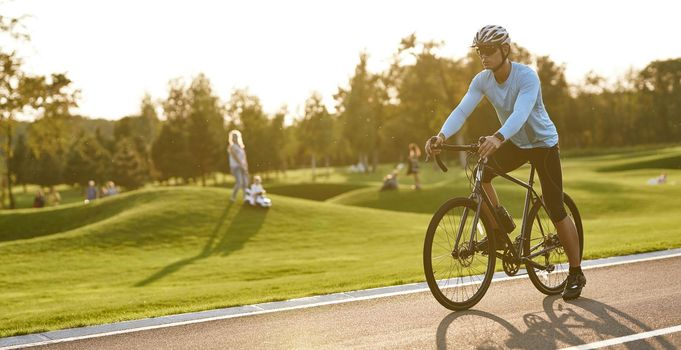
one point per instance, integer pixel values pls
(414, 154)
(237, 162)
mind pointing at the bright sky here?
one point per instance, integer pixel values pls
(115, 51)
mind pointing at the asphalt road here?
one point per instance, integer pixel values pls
(618, 301)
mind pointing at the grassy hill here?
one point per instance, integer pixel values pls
(163, 251)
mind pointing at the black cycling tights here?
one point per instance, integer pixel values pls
(547, 162)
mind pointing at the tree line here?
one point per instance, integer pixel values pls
(376, 115)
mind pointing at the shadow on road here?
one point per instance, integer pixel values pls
(558, 324)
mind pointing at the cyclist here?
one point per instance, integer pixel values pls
(514, 91)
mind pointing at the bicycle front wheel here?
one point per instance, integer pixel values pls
(458, 256)
(543, 242)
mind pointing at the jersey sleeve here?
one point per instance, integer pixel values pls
(527, 98)
(468, 103)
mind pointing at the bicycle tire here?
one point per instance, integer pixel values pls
(539, 226)
(448, 287)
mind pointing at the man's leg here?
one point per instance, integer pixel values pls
(567, 233)
(492, 194)
(547, 162)
(507, 158)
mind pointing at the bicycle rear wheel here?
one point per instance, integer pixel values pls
(542, 236)
(458, 274)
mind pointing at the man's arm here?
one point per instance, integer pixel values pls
(459, 115)
(527, 97)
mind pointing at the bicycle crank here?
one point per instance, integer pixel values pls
(511, 266)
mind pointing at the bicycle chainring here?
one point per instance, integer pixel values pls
(511, 268)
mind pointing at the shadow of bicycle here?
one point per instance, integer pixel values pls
(558, 325)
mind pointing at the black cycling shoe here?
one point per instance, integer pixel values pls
(573, 287)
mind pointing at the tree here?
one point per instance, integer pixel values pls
(170, 151)
(45, 168)
(554, 91)
(128, 165)
(361, 111)
(316, 130)
(205, 128)
(11, 77)
(426, 90)
(150, 125)
(20, 162)
(48, 97)
(51, 99)
(660, 84)
(276, 141)
(87, 160)
(144, 126)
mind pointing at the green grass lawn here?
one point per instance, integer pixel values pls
(313, 191)
(160, 251)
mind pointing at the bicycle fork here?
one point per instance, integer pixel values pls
(470, 248)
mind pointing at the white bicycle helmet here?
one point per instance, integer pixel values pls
(491, 35)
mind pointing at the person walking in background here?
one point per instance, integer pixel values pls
(238, 163)
(90, 192)
(413, 165)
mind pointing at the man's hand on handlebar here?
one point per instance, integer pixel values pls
(488, 145)
(433, 144)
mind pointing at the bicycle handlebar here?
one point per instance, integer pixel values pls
(447, 147)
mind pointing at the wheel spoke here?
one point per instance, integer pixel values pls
(458, 274)
(542, 235)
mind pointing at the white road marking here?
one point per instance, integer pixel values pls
(625, 339)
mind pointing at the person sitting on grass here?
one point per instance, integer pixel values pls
(53, 197)
(39, 199)
(111, 189)
(390, 180)
(255, 195)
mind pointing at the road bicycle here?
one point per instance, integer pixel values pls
(460, 249)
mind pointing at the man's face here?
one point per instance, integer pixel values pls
(490, 56)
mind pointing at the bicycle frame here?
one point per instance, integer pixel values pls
(479, 195)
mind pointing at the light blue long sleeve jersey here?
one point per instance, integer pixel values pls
(518, 103)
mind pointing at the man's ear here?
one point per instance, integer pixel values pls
(506, 49)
